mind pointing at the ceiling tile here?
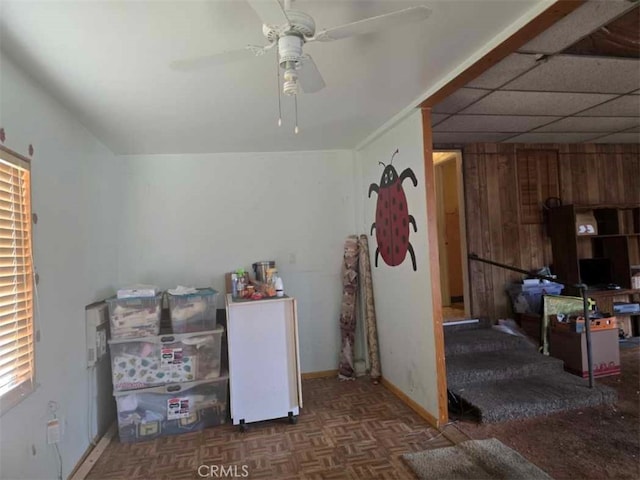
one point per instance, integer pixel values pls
(569, 73)
(539, 137)
(536, 103)
(448, 137)
(619, 138)
(437, 118)
(492, 123)
(591, 124)
(458, 100)
(624, 106)
(506, 70)
(573, 27)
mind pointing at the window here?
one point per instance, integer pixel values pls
(16, 280)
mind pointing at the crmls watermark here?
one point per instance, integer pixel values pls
(223, 471)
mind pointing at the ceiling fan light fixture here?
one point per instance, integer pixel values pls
(290, 84)
(289, 49)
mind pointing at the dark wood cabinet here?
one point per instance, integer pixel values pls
(616, 240)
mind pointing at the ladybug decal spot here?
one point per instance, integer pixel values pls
(392, 235)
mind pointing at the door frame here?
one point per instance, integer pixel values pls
(466, 290)
(555, 12)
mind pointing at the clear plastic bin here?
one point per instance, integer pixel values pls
(171, 409)
(152, 361)
(193, 312)
(528, 298)
(135, 317)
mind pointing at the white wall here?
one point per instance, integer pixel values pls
(75, 194)
(191, 218)
(403, 296)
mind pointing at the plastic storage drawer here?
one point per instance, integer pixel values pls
(135, 317)
(152, 361)
(171, 409)
(528, 298)
(193, 312)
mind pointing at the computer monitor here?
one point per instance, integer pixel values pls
(596, 272)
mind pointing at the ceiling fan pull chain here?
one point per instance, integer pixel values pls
(295, 101)
(279, 101)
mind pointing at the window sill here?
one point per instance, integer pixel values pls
(16, 396)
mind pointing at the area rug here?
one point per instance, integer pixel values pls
(473, 460)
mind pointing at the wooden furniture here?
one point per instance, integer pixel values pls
(264, 360)
(617, 239)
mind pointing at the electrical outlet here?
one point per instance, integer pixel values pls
(54, 431)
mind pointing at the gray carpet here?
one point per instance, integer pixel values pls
(502, 377)
(473, 460)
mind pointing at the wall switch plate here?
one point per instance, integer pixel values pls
(54, 432)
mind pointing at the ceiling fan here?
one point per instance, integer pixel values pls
(289, 30)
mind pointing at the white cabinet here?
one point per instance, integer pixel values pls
(264, 362)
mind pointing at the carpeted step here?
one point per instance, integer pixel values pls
(469, 368)
(511, 399)
(482, 340)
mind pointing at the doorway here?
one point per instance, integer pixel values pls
(452, 243)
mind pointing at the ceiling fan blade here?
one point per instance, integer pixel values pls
(220, 58)
(309, 76)
(373, 24)
(269, 11)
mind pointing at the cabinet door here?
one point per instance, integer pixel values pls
(262, 363)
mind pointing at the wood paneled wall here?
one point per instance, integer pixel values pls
(499, 195)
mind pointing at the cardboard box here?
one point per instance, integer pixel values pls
(586, 224)
(571, 348)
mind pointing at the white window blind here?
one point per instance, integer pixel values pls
(16, 281)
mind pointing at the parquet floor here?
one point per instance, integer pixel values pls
(351, 430)
(453, 312)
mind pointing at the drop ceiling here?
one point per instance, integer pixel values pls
(540, 94)
(108, 62)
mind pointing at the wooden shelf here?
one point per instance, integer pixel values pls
(618, 206)
(613, 293)
(613, 235)
(618, 240)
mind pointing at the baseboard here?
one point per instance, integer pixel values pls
(93, 453)
(410, 403)
(320, 374)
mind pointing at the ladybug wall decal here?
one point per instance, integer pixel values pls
(392, 216)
